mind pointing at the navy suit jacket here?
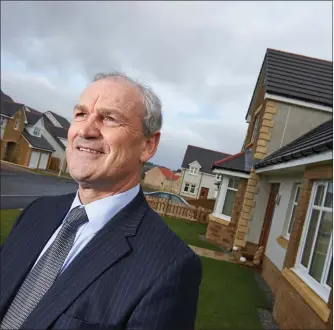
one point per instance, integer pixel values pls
(134, 274)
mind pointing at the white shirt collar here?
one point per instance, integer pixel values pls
(101, 211)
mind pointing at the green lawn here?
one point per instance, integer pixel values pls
(189, 233)
(229, 296)
(7, 218)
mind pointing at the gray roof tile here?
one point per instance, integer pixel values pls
(205, 157)
(315, 141)
(37, 142)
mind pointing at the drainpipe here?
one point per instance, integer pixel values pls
(184, 173)
(286, 124)
(199, 185)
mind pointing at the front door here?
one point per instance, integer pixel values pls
(269, 215)
(204, 193)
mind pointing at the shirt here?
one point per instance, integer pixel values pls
(99, 213)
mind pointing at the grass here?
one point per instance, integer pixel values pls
(229, 293)
(229, 296)
(7, 218)
(189, 233)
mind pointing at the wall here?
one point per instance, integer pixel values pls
(257, 218)
(11, 134)
(274, 251)
(3, 127)
(59, 152)
(296, 305)
(295, 126)
(200, 180)
(154, 178)
(23, 152)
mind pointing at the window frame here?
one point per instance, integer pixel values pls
(232, 189)
(322, 289)
(190, 185)
(193, 170)
(17, 124)
(294, 204)
(39, 131)
(256, 124)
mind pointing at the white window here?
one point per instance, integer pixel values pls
(189, 188)
(17, 124)
(314, 259)
(193, 170)
(37, 131)
(219, 177)
(255, 127)
(292, 210)
(230, 197)
(2, 121)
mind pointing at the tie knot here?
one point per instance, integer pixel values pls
(76, 217)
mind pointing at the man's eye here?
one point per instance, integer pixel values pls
(80, 114)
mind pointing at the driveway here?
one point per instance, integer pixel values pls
(20, 186)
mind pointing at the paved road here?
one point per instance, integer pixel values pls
(19, 186)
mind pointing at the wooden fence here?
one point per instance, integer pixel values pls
(178, 210)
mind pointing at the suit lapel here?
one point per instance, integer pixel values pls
(25, 245)
(107, 248)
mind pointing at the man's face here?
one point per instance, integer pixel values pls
(106, 144)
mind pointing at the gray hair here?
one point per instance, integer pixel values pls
(152, 120)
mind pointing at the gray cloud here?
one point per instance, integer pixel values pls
(203, 58)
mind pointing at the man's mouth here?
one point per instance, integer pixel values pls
(92, 151)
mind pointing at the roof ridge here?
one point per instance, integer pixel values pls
(289, 53)
(228, 158)
(221, 152)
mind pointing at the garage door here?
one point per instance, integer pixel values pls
(43, 161)
(34, 159)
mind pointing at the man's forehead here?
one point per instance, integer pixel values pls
(112, 92)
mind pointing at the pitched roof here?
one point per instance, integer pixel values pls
(10, 108)
(56, 133)
(168, 174)
(62, 121)
(37, 142)
(205, 157)
(33, 116)
(240, 162)
(317, 140)
(5, 97)
(297, 77)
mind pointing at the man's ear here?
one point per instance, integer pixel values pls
(150, 147)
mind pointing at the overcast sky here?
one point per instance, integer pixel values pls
(201, 58)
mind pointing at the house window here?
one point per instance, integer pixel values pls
(314, 260)
(2, 121)
(230, 197)
(292, 209)
(219, 177)
(37, 131)
(17, 124)
(193, 170)
(189, 188)
(255, 127)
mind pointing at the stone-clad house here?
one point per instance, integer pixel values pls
(277, 192)
(32, 138)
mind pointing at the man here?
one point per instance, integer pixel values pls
(101, 258)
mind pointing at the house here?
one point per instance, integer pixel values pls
(21, 139)
(197, 178)
(161, 178)
(12, 120)
(297, 229)
(270, 192)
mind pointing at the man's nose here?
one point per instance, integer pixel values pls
(89, 130)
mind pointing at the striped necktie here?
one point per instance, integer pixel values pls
(45, 272)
